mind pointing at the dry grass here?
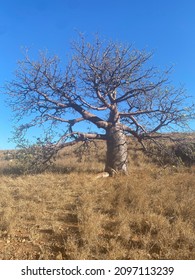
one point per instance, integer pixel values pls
(68, 214)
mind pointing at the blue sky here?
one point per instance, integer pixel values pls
(165, 26)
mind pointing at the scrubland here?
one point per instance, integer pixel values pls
(67, 213)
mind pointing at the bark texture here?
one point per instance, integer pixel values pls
(116, 157)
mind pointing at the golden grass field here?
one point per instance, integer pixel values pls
(67, 213)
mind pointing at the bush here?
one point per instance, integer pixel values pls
(175, 154)
(186, 152)
(32, 159)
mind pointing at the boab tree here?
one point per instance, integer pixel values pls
(103, 83)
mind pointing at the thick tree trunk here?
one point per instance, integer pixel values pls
(116, 157)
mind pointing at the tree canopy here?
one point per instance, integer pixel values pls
(108, 84)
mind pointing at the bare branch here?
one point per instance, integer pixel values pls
(71, 122)
(126, 115)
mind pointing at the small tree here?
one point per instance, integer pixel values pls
(104, 83)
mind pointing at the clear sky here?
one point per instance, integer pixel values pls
(164, 26)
